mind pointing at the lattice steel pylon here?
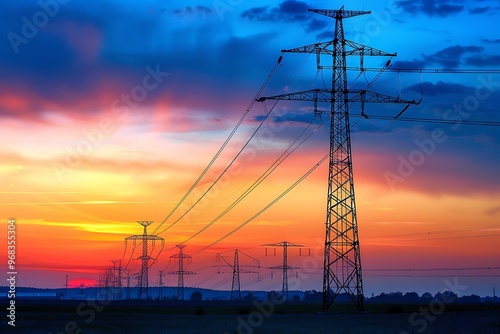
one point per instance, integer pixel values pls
(143, 280)
(181, 272)
(236, 285)
(285, 266)
(116, 280)
(342, 260)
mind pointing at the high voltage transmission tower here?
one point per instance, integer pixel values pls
(116, 280)
(236, 286)
(342, 261)
(285, 266)
(145, 238)
(110, 283)
(181, 272)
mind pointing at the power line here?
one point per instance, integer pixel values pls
(434, 269)
(228, 139)
(261, 178)
(279, 197)
(429, 276)
(425, 70)
(451, 238)
(224, 171)
(432, 120)
(466, 229)
(268, 205)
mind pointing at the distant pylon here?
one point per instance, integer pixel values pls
(236, 286)
(143, 282)
(116, 280)
(285, 266)
(181, 272)
(109, 284)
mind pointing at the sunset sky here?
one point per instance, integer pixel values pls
(110, 111)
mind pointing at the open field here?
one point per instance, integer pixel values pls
(222, 317)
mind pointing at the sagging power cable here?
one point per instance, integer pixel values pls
(223, 172)
(261, 178)
(228, 139)
(283, 194)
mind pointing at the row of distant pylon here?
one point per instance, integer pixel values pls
(112, 280)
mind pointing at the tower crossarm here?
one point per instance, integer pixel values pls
(362, 95)
(325, 95)
(319, 48)
(284, 267)
(356, 49)
(339, 14)
(180, 256)
(284, 243)
(183, 272)
(144, 237)
(364, 50)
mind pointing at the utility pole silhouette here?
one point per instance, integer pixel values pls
(145, 238)
(236, 286)
(342, 259)
(284, 266)
(109, 283)
(181, 272)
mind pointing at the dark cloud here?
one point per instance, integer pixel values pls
(69, 59)
(479, 10)
(405, 64)
(316, 24)
(257, 13)
(432, 7)
(193, 10)
(450, 57)
(287, 11)
(325, 35)
(302, 117)
(439, 88)
(82, 60)
(491, 41)
(483, 61)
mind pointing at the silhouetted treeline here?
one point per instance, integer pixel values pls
(406, 298)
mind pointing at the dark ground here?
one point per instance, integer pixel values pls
(35, 316)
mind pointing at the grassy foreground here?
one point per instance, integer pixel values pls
(223, 317)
